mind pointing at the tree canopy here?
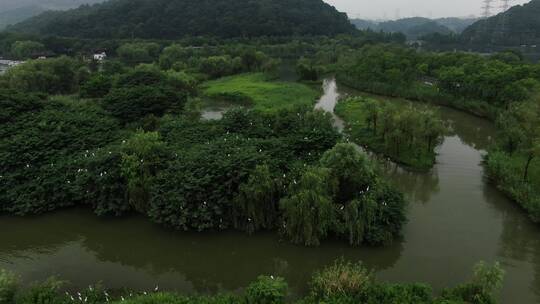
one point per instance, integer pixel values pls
(168, 19)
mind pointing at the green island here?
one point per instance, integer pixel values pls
(403, 133)
(341, 282)
(257, 91)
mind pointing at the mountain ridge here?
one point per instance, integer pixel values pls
(169, 19)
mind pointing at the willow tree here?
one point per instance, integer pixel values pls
(357, 217)
(256, 206)
(353, 171)
(308, 212)
(141, 158)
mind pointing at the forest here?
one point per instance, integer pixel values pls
(165, 19)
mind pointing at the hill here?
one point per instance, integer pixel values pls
(19, 14)
(457, 25)
(15, 11)
(416, 27)
(520, 25)
(170, 19)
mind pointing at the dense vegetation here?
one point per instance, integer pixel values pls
(166, 19)
(341, 282)
(406, 134)
(517, 26)
(514, 163)
(128, 138)
(470, 82)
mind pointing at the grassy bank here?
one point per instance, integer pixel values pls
(256, 90)
(404, 134)
(341, 283)
(423, 93)
(507, 172)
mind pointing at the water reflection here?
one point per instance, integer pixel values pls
(84, 249)
(417, 186)
(519, 247)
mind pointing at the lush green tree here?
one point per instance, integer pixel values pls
(520, 128)
(140, 52)
(173, 54)
(256, 206)
(162, 19)
(352, 169)
(308, 211)
(132, 104)
(45, 146)
(307, 70)
(142, 157)
(219, 66)
(408, 134)
(98, 86)
(53, 76)
(26, 49)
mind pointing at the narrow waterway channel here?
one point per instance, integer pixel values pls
(456, 218)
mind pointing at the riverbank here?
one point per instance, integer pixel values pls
(341, 282)
(506, 172)
(426, 93)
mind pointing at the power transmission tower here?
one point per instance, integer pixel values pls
(505, 5)
(486, 13)
(501, 30)
(486, 8)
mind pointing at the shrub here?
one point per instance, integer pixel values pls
(267, 290)
(485, 282)
(8, 286)
(342, 279)
(43, 293)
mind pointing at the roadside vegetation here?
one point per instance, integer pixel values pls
(342, 282)
(402, 132)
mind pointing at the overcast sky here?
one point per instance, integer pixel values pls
(390, 9)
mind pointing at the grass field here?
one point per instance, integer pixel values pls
(417, 158)
(256, 91)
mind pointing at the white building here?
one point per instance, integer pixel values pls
(100, 56)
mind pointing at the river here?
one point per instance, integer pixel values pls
(456, 218)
